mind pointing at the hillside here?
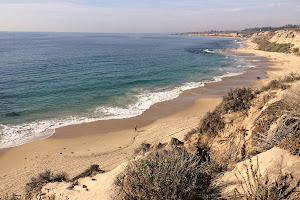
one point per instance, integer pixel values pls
(287, 41)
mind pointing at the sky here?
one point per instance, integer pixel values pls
(145, 16)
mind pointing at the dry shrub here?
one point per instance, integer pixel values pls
(263, 44)
(287, 133)
(143, 148)
(175, 142)
(238, 99)
(285, 114)
(292, 77)
(211, 123)
(274, 85)
(189, 134)
(264, 121)
(12, 197)
(91, 171)
(42, 179)
(256, 187)
(280, 83)
(165, 174)
(291, 144)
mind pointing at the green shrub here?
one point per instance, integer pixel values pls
(296, 50)
(165, 174)
(274, 47)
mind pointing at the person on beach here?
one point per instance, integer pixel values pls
(135, 128)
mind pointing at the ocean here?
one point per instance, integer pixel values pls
(50, 80)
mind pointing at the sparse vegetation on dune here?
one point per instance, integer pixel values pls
(42, 179)
(165, 174)
(237, 100)
(286, 113)
(254, 186)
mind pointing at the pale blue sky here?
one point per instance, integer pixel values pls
(145, 16)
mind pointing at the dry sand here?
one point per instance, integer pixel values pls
(282, 63)
(74, 148)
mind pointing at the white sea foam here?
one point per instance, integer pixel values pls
(208, 51)
(145, 100)
(246, 66)
(228, 74)
(14, 135)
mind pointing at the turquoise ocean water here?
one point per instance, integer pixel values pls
(49, 80)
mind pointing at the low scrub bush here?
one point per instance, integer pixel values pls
(263, 45)
(42, 179)
(143, 148)
(165, 174)
(296, 50)
(275, 47)
(275, 84)
(238, 100)
(292, 77)
(212, 123)
(12, 197)
(190, 134)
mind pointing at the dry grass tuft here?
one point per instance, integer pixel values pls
(254, 186)
(165, 174)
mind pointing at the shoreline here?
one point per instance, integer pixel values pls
(27, 132)
(75, 154)
(156, 111)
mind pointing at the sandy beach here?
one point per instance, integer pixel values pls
(73, 149)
